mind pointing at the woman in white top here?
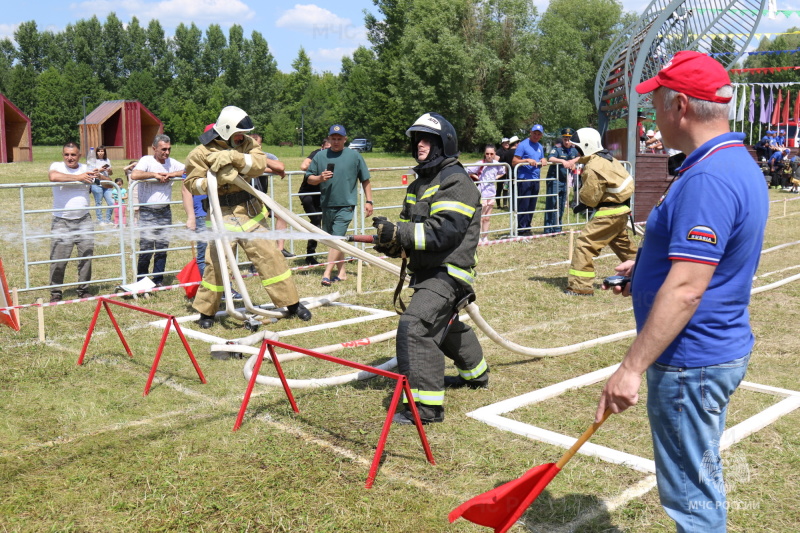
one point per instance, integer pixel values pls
(103, 164)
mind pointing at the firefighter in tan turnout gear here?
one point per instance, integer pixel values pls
(438, 231)
(227, 151)
(606, 187)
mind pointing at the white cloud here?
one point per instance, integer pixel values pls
(331, 54)
(329, 59)
(7, 30)
(170, 13)
(313, 19)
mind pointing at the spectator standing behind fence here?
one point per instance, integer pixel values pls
(155, 211)
(119, 201)
(310, 198)
(562, 158)
(101, 192)
(72, 224)
(337, 171)
(486, 177)
(504, 185)
(531, 153)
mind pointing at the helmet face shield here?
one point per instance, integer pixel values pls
(440, 129)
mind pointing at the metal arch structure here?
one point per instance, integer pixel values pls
(666, 27)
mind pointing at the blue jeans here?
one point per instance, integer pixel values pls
(556, 197)
(99, 193)
(687, 409)
(202, 243)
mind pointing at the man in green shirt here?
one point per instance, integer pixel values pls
(337, 171)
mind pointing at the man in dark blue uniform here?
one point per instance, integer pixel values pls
(563, 156)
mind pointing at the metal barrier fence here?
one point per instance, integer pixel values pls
(29, 236)
(388, 201)
(550, 196)
(135, 229)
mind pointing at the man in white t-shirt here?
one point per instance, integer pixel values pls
(72, 225)
(156, 212)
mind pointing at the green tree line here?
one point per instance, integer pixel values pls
(493, 67)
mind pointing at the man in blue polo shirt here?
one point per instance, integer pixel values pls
(531, 153)
(691, 289)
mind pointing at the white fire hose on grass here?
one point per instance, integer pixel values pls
(472, 310)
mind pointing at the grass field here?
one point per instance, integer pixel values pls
(82, 450)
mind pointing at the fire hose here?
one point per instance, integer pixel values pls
(472, 309)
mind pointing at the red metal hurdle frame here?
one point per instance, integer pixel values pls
(402, 386)
(171, 321)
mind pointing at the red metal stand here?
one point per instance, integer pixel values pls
(171, 321)
(402, 386)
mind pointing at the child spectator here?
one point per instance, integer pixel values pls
(486, 177)
(119, 201)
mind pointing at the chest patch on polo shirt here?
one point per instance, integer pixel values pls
(703, 234)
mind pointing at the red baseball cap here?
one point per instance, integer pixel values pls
(693, 74)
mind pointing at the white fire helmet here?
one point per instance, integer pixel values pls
(588, 141)
(232, 120)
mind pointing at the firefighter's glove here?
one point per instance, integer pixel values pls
(386, 237)
(217, 160)
(580, 208)
(227, 175)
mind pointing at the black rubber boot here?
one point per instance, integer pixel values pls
(206, 321)
(428, 414)
(300, 311)
(457, 382)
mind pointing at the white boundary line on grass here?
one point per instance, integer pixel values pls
(372, 314)
(492, 415)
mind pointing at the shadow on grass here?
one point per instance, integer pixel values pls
(559, 282)
(573, 512)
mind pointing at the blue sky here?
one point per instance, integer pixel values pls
(327, 30)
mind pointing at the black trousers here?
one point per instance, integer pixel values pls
(421, 349)
(311, 204)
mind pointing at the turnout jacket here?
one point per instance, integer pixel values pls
(197, 167)
(606, 184)
(439, 224)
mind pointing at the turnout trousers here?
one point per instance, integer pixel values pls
(421, 349)
(276, 278)
(603, 230)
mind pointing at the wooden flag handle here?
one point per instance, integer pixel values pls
(582, 440)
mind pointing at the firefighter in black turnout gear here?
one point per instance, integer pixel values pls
(438, 231)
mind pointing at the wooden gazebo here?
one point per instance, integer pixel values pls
(125, 127)
(15, 133)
